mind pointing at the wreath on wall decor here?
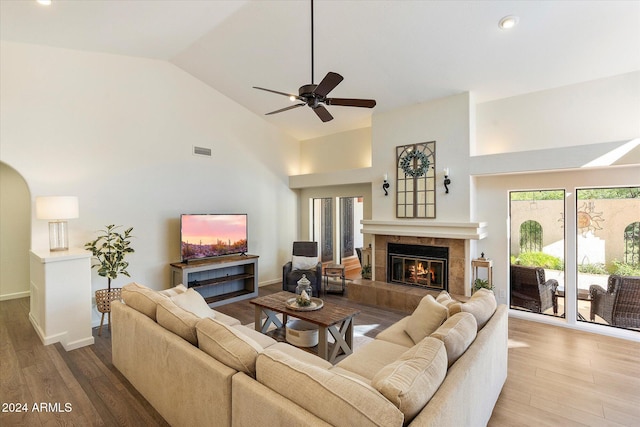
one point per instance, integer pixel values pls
(407, 163)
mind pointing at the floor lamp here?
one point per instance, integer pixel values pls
(57, 209)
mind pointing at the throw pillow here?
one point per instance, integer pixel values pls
(180, 289)
(446, 300)
(142, 299)
(425, 319)
(457, 333)
(228, 345)
(193, 302)
(412, 380)
(304, 262)
(482, 305)
(177, 320)
(444, 297)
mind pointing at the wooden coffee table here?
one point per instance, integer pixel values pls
(335, 319)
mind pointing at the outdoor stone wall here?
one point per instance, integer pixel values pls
(602, 234)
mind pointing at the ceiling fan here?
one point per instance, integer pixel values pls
(315, 96)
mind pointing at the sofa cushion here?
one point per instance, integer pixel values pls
(372, 357)
(397, 334)
(142, 299)
(228, 345)
(425, 319)
(334, 398)
(302, 355)
(457, 333)
(411, 381)
(226, 319)
(303, 262)
(179, 289)
(194, 303)
(177, 320)
(263, 340)
(482, 305)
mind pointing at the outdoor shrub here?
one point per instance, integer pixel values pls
(538, 259)
(592, 269)
(624, 269)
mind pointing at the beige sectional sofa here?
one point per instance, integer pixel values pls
(444, 365)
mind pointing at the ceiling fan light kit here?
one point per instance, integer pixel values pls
(315, 96)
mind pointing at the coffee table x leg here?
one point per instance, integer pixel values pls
(343, 336)
(271, 317)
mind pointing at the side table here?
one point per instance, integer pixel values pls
(335, 271)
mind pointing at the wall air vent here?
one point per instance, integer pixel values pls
(201, 151)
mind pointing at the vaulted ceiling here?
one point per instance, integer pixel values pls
(398, 52)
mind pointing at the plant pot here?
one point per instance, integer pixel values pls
(103, 303)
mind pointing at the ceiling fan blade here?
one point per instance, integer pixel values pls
(279, 93)
(330, 81)
(323, 113)
(349, 102)
(290, 107)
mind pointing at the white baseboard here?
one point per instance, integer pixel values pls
(16, 295)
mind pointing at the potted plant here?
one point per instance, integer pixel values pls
(481, 283)
(109, 250)
(366, 271)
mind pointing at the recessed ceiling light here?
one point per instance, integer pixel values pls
(44, 2)
(508, 22)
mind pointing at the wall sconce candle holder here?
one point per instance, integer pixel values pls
(385, 185)
(447, 180)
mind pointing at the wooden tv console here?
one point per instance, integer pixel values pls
(219, 280)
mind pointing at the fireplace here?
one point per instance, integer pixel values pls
(418, 265)
(454, 277)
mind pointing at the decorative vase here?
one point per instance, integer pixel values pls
(303, 291)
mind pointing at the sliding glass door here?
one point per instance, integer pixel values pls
(608, 256)
(537, 248)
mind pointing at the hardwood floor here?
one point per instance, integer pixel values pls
(557, 377)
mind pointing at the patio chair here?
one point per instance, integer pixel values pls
(619, 304)
(530, 290)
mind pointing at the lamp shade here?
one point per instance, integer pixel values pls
(57, 207)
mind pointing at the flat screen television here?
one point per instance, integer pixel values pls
(212, 235)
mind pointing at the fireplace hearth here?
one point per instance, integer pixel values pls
(418, 265)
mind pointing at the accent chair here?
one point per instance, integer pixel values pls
(304, 262)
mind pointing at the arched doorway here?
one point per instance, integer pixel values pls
(15, 233)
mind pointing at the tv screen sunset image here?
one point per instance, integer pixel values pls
(205, 236)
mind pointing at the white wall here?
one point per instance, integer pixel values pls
(118, 132)
(340, 151)
(593, 112)
(446, 121)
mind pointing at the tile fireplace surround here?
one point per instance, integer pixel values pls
(457, 261)
(457, 236)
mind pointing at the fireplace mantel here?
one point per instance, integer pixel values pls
(447, 230)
